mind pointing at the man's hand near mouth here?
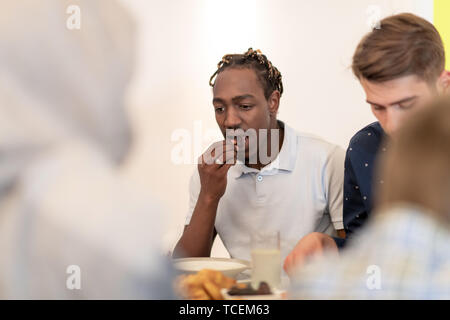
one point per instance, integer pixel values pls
(213, 166)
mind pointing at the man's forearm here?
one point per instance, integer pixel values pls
(198, 236)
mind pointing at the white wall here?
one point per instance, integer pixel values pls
(180, 43)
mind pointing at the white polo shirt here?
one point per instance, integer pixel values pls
(298, 193)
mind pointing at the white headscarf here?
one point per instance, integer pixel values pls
(63, 132)
(57, 83)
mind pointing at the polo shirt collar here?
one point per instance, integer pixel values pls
(285, 159)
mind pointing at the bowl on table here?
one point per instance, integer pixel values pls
(229, 267)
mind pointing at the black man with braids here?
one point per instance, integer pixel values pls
(264, 175)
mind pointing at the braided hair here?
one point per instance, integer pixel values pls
(268, 75)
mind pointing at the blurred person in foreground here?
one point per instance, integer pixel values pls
(404, 252)
(71, 226)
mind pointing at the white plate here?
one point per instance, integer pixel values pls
(276, 295)
(229, 267)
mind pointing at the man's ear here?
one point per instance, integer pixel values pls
(443, 82)
(274, 103)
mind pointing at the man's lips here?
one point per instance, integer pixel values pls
(237, 138)
(234, 132)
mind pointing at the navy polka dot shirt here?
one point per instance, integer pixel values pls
(358, 178)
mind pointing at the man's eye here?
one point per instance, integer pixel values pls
(220, 109)
(406, 105)
(245, 107)
(377, 108)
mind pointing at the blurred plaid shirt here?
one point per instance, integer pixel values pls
(401, 254)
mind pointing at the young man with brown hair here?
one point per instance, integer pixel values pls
(400, 66)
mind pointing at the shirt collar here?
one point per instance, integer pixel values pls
(285, 159)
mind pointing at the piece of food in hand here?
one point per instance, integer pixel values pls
(247, 290)
(204, 285)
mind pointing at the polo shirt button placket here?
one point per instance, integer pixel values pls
(261, 197)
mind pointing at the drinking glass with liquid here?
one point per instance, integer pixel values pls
(266, 258)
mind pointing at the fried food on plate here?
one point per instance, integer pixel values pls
(204, 285)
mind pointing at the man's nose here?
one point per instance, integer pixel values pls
(393, 120)
(232, 119)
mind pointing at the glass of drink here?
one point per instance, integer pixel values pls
(266, 258)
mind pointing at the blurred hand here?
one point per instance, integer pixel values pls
(213, 168)
(313, 245)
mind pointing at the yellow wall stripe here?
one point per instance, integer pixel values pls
(442, 22)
